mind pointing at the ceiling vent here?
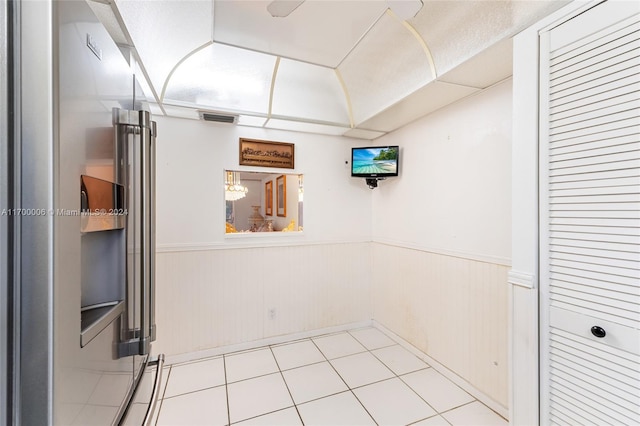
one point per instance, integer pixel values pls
(218, 117)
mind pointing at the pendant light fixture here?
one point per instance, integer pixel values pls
(233, 188)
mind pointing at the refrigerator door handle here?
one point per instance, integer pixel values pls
(151, 254)
(138, 133)
(145, 237)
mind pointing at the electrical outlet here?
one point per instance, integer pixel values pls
(272, 313)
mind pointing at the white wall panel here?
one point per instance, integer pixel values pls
(217, 298)
(441, 233)
(451, 308)
(454, 189)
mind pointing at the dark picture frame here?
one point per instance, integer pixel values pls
(281, 196)
(255, 152)
(268, 198)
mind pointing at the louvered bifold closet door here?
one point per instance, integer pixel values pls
(590, 259)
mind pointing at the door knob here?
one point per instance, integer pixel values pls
(598, 331)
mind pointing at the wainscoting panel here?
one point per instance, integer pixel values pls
(453, 309)
(220, 297)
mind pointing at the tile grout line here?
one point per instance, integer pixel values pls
(326, 396)
(440, 368)
(468, 403)
(262, 348)
(393, 342)
(345, 382)
(427, 418)
(226, 388)
(286, 384)
(398, 376)
(254, 377)
(327, 361)
(303, 366)
(429, 366)
(379, 381)
(191, 392)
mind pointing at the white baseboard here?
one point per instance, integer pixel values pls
(479, 395)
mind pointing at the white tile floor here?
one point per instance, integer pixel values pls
(359, 377)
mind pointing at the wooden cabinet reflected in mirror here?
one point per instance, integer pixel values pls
(263, 202)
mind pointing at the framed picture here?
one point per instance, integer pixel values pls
(255, 152)
(281, 195)
(268, 198)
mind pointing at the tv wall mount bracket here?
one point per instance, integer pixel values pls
(372, 183)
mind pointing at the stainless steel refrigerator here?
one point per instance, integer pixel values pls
(78, 223)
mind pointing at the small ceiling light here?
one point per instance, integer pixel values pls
(233, 189)
(405, 9)
(283, 8)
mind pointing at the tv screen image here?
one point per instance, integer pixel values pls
(376, 161)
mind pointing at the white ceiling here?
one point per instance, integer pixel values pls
(318, 32)
(353, 68)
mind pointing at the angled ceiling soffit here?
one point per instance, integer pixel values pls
(165, 32)
(423, 101)
(224, 78)
(309, 92)
(455, 31)
(305, 126)
(388, 64)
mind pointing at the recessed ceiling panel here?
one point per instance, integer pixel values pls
(363, 134)
(224, 78)
(300, 126)
(181, 112)
(456, 30)
(309, 92)
(105, 14)
(155, 109)
(248, 120)
(319, 32)
(484, 69)
(429, 98)
(166, 31)
(387, 65)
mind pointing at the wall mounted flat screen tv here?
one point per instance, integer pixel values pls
(375, 161)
